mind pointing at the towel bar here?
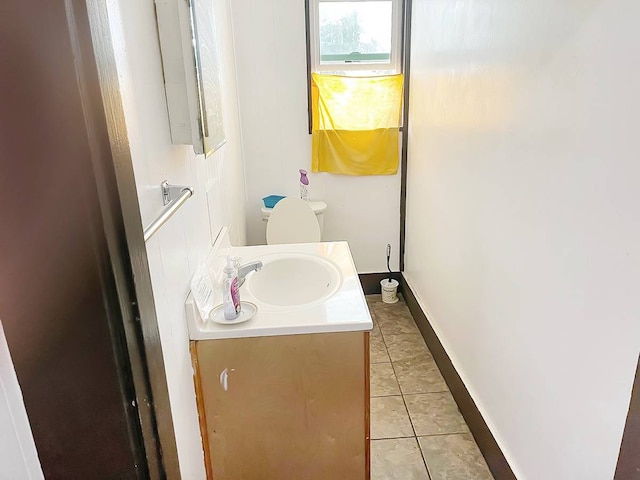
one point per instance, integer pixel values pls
(173, 197)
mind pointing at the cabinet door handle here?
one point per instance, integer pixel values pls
(224, 379)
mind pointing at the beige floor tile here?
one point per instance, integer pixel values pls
(377, 349)
(383, 380)
(399, 306)
(419, 375)
(396, 323)
(389, 418)
(375, 298)
(434, 414)
(375, 331)
(397, 459)
(405, 347)
(454, 457)
(381, 307)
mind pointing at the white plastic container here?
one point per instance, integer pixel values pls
(389, 290)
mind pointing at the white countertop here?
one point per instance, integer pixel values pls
(344, 311)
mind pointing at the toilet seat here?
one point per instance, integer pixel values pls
(292, 221)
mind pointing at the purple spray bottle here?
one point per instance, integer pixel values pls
(304, 181)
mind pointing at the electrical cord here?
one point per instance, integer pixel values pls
(388, 257)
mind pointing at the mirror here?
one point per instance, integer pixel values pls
(191, 65)
(208, 72)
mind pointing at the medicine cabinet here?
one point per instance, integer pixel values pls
(191, 65)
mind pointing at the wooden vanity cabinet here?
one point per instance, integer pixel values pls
(284, 407)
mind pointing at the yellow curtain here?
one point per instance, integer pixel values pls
(355, 124)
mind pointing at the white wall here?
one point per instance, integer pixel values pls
(175, 251)
(523, 227)
(18, 455)
(271, 59)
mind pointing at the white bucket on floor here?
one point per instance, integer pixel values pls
(389, 290)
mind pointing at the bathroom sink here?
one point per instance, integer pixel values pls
(293, 279)
(302, 288)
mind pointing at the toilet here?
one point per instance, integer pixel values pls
(293, 220)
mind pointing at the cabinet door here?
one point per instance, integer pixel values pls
(285, 407)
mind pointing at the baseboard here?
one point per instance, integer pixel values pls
(484, 438)
(371, 281)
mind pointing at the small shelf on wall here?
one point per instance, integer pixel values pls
(191, 66)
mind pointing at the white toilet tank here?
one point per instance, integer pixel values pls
(318, 208)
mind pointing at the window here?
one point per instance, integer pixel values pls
(355, 89)
(357, 37)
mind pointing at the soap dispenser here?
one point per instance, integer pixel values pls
(230, 291)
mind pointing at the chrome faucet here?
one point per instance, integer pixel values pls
(246, 269)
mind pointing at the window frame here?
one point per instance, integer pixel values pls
(313, 42)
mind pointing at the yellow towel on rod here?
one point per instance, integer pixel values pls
(356, 122)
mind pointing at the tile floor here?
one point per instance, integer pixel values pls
(417, 431)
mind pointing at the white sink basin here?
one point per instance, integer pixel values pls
(293, 279)
(304, 288)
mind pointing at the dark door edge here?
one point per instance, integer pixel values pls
(628, 467)
(130, 263)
